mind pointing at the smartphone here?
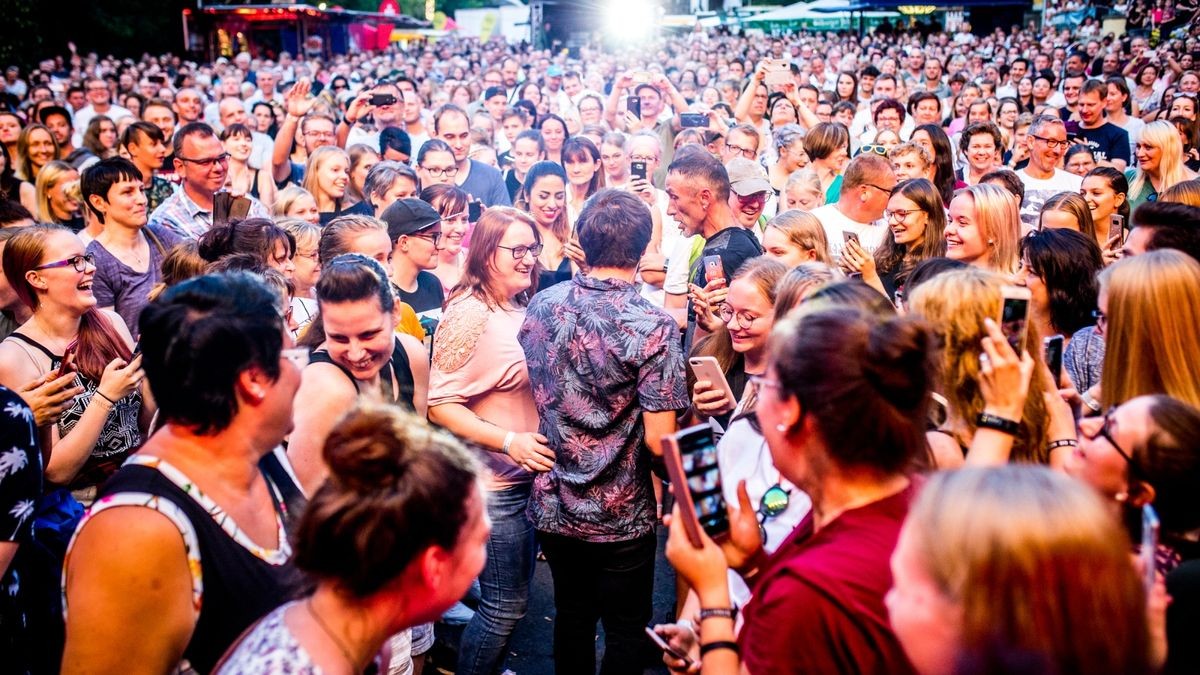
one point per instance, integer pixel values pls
(637, 170)
(68, 359)
(1014, 315)
(691, 458)
(778, 72)
(1150, 526)
(382, 99)
(1116, 225)
(1053, 347)
(693, 120)
(634, 105)
(668, 649)
(714, 268)
(707, 368)
(474, 211)
(849, 236)
(1072, 129)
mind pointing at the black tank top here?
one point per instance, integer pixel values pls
(398, 365)
(239, 587)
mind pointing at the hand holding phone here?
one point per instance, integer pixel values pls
(474, 212)
(714, 268)
(1150, 527)
(667, 649)
(691, 459)
(1014, 315)
(1054, 356)
(707, 368)
(67, 365)
(637, 170)
(634, 105)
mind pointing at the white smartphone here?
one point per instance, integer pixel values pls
(707, 368)
(778, 72)
(662, 644)
(1014, 315)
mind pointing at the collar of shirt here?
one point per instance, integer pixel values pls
(592, 283)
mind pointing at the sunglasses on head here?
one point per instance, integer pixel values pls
(873, 149)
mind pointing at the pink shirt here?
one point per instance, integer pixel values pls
(478, 363)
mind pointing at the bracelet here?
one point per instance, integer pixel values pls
(110, 401)
(1090, 402)
(1063, 443)
(719, 613)
(508, 439)
(997, 423)
(718, 644)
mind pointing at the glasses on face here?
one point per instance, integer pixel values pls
(874, 149)
(748, 153)
(1051, 143)
(764, 381)
(899, 214)
(886, 191)
(79, 262)
(222, 158)
(744, 318)
(433, 237)
(297, 355)
(519, 252)
(448, 172)
(1105, 431)
(753, 198)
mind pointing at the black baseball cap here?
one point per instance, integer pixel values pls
(494, 91)
(408, 216)
(55, 110)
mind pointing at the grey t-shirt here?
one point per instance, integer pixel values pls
(119, 286)
(486, 184)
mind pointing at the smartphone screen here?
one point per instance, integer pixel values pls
(714, 268)
(1149, 545)
(698, 454)
(634, 105)
(693, 120)
(1014, 318)
(474, 211)
(1054, 355)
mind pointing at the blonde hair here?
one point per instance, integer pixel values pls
(286, 199)
(1036, 565)
(1185, 192)
(1171, 169)
(804, 230)
(999, 219)
(306, 234)
(955, 304)
(808, 179)
(49, 177)
(315, 161)
(1151, 342)
(22, 164)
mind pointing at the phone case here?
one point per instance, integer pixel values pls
(679, 487)
(707, 368)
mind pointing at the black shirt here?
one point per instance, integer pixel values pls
(1108, 142)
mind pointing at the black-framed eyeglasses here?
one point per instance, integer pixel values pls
(448, 172)
(434, 237)
(1051, 143)
(222, 158)
(1105, 431)
(886, 191)
(745, 319)
(519, 252)
(745, 152)
(79, 262)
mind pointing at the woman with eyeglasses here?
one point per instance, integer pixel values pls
(327, 177)
(452, 205)
(435, 164)
(479, 389)
(917, 221)
(544, 197)
(1159, 154)
(819, 598)
(307, 269)
(48, 270)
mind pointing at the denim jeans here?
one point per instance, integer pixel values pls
(610, 582)
(503, 584)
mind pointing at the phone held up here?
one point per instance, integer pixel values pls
(637, 170)
(634, 105)
(1053, 347)
(1014, 315)
(474, 212)
(693, 120)
(691, 458)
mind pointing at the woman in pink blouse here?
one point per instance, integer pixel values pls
(479, 390)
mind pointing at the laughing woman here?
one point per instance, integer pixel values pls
(326, 177)
(483, 395)
(452, 204)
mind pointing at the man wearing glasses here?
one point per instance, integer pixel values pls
(858, 213)
(202, 164)
(1042, 178)
(99, 103)
(415, 229)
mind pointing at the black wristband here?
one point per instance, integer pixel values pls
(718, 644)
(719, 612)
(989, 421)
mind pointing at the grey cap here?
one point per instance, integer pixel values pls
(747, 177)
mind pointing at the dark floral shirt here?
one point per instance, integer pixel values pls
(20, 489)
(159, 191)
(599, 356)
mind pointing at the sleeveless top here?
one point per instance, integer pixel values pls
(120, 436)
(234, 581)
(397, 365)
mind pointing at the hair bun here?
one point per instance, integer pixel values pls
(216, 243)
(367, 451)
(898, 361)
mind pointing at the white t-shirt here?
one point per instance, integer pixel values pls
(1038, 190)
(870, 235)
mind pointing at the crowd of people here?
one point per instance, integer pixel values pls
(307, 361)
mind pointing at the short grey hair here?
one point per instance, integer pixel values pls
(787, 134)
(382, 175)
(1042, 121)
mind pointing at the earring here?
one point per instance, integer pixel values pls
(781, 428)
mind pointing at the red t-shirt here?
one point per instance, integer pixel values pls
(818, 606)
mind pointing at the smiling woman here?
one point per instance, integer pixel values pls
(327, 176)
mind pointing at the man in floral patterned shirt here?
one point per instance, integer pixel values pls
(607, 375)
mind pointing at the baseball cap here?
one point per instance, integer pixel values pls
(554, 70)
(408, 216)
(54, 110)
(494, 91)
(746, 177)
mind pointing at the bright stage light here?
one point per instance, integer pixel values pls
(630, 20)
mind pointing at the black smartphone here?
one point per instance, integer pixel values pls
(693, 120)
(382, 99)
(1014, 315)
(634, 105)
(1053, 347)
(637, 170)
(691, 457)
(1072, 129)
(474, 211)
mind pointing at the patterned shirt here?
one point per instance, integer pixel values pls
(20, 489)
(599, 355)
(160, 190)
(188, 219)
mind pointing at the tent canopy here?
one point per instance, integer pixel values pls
(819, 9)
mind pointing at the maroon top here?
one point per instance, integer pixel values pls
(818, 606)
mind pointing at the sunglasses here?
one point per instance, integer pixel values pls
(873, 149)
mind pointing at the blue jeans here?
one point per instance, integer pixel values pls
(503, 585)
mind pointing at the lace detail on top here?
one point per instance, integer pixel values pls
(270, 648)
(459, 331)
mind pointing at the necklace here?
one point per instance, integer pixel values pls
(308, 604)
